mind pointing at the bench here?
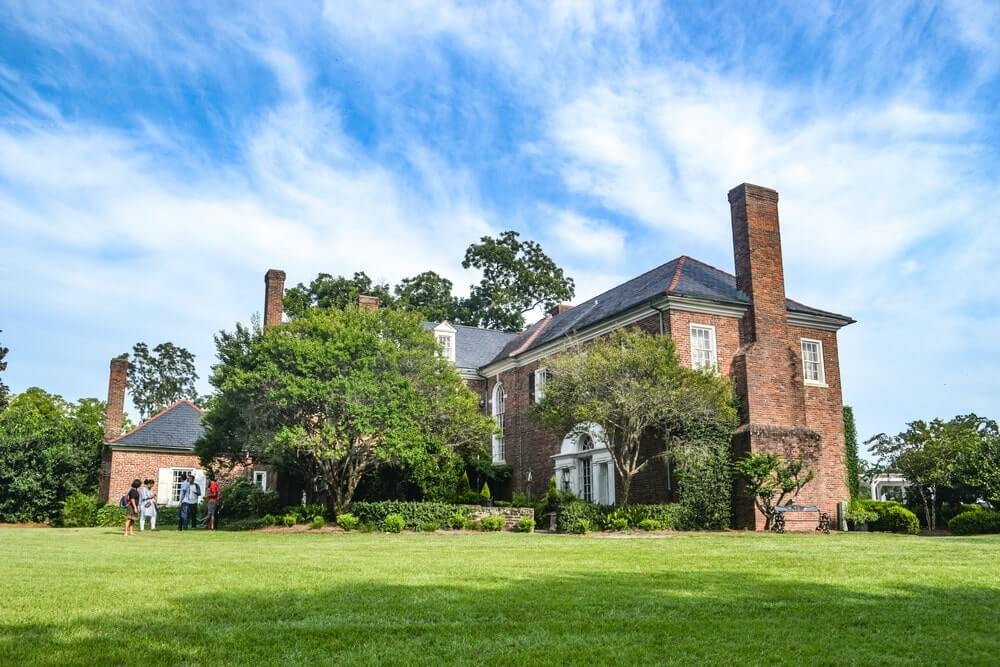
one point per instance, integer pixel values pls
(778, 522)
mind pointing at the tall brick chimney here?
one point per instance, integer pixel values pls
(114, 414)
(274, 297)
(368, 302)
(767, 370)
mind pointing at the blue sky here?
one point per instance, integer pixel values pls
(157, 158)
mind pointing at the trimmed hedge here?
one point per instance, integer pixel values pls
(892, 517)
(975, 522)
(415, 514)
(79, 511)
(111, 515)
(672, 516)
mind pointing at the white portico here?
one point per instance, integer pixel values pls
(584, 466)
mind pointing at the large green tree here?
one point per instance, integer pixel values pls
(983, 466)
(430, 295)
(327, 291)
(338, 391)
(159, 377)
(49, 449)
(633, 386)
(931, 456)
(517, 277)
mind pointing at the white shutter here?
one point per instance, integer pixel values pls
(164, 483)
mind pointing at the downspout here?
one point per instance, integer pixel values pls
(663, 331)
(660, 311)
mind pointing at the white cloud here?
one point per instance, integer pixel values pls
(585, 237)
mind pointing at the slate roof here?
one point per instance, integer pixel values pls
(475, 347)
(683, 277)
(177, 426)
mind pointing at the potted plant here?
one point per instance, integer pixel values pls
(485, 496)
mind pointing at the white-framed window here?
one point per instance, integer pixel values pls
(541, 376)
(587, 479)
(499, 448)
(812, 362)
(177, 477)
(703, 352)
(444, 334)
(260, 479)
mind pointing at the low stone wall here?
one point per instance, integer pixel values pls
(511, 515)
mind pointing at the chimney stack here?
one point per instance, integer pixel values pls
(114, 414)
(757, 248)
(560, 309)
(274, 297)
(368, 302)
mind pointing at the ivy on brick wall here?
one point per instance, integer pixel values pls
(851, 459)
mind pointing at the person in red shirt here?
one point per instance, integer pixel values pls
(213, 502)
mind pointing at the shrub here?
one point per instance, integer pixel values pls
(458, 521)
(475, 524)
(347, 521)
(270, 519)
(525, 525)
(317, 523)
(581, 526)
(79, 511)
(366, 527)
(111, 515)
(313, 510)
(429, 527)
(975, 522)
(289, 520)
(485, 494)
(168, 516)
(521, 500)
(858, 514)
(394, 523)
(414, 513)
(891, 517)
(492, 523)
(650, 524)
(242, 499)
(243, 524)
(671, 516)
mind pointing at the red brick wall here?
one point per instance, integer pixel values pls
(126, 465)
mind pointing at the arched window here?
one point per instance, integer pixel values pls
(499, 449)
(585, 443)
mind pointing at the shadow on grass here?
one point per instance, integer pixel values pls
(574, 619)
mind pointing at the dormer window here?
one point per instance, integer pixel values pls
(444, 334)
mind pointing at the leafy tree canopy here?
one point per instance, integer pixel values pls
(633, 386)
(932, 455)
(430, 295)
(517, 277)
(49, 449)
(336, 392)
(158, 378)
(325, 291)
(771, 478)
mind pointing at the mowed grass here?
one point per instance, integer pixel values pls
(91, 596)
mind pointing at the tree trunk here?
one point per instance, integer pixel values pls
(927, 509)
(626, 487)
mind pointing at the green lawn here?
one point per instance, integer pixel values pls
(91, 596)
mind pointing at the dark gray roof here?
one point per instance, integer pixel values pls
(177, 426)
(475, 347)
(683, 276)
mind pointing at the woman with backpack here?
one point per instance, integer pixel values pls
(147, 508)
(132, 506)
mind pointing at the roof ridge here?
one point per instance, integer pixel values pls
(632, 279)
(532, 336)
(677, 273)
(710, 266)
(159, 414)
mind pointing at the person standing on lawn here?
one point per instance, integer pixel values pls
(213, 501)
(147, 507)
(132, 507)
(191, 501)
(182, 515)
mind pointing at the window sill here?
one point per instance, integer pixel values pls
(821, 385)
